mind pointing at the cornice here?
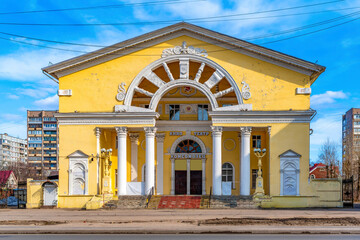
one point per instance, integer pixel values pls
(176, 30)
(146, 118)
(219, 117)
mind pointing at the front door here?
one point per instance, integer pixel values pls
(180, 182)
(195, 182)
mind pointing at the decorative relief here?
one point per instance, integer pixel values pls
(121, 92)
(187, 91)
(183, 49)
(184, 68)
(229, 144)
(245, 91)
(214, 79)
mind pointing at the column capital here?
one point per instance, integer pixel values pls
(160, 137)
(97, 132)
(134, 137)
(150, 131)
(245, 130)
(216, 130)
(121, 131)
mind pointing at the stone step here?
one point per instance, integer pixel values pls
(131, 202)
(232, 202)
(154, 202)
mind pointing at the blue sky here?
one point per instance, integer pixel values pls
(23, 86)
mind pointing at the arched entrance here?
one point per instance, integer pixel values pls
(188, 169)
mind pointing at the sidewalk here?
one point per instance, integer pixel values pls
(179, 221)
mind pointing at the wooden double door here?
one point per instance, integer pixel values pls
(181, 182)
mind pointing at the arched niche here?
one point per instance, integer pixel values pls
(78, 173)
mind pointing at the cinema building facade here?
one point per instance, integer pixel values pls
(180, 110)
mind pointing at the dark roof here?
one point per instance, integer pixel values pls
(4, 175)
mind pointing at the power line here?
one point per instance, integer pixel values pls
(116, 47)
(163, 21)
(252, 38)
(104, 7)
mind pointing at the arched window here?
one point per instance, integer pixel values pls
(312, 176)
(228, 174)
(188, 146)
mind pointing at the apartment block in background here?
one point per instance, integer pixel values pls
(351, 147)
(42, 142)
(12, 149)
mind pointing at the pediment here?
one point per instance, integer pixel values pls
(289, 153)
(78, 154)
(174, 31)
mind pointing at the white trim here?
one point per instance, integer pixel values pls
(186, 137)
(183, 82)
(233, 173)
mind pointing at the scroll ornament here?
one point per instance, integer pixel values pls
(121, 92)
(183, 49)
(245, 91)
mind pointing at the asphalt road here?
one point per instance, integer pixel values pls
(178, 237)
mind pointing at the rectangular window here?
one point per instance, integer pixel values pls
(203, 112)
(256, 140)
(253, 178)
(174, 111)
(357, 116)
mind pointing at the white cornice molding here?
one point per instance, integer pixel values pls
(134, 118)
(219, 117)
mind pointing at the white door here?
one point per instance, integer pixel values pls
(50, 195)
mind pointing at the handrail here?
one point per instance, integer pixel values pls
(148, 198)
(210, 197)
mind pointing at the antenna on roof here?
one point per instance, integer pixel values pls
(50, 63)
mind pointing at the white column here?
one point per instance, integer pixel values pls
(150, 158)
(268, 156)
(188, 176)
(245, 173)
(122, 170)
(172, 191)
(216, 136)
(134, 138)
(97, 133)
(203, 176)
(160, 163)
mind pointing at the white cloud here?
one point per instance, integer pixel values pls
(26, 65)
(12, 117)
(49, 103)
(15, 129)
(327, 97)
(13, 96)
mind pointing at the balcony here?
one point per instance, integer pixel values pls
(49, 128)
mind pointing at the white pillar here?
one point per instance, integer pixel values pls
(268, 151)
(160, 137)
(203, 176)
(150, 158)
(216, 136)
(134, 138)
(97, 133)
(245, 173)
(172, 191)
(122, 169)
(188, 176)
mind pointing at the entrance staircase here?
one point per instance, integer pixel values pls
(182, 202)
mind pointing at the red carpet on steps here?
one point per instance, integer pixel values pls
(180, 202)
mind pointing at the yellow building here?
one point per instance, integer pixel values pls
(181, 110)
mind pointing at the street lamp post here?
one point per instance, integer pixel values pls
(259, 191)
(105, 155)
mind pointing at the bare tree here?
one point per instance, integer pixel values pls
(329, 156)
